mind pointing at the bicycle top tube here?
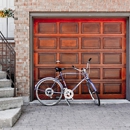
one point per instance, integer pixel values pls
(82, 72)
(69, 73)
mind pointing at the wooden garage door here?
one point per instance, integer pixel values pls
(73, 42)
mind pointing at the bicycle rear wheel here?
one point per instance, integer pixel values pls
(49, 91)
(93, 93)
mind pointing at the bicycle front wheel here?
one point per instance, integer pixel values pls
(93, 93)
(49, 91)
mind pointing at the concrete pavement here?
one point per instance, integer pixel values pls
(79, 116)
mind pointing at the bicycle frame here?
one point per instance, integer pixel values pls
(49, 87)
(86, 78)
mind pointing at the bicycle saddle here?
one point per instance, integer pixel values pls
(59, 69)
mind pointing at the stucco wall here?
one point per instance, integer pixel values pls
(22, 9)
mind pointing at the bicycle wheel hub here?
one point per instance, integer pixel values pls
(49, 92)
(68, 93)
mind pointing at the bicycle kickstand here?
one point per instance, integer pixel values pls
(67, 101)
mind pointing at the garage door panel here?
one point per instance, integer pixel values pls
(88, 28)
(46, 43)
(91, 43)
(112, 58)
(84, 89)
(109, 73)
(47, 28)
(46, 72)
(112, 43)
(69, 28)
(112, 28)
(95, 58)
(69, 43)
(69, 58)
(46, 58)
(95, 73)
(112, 88)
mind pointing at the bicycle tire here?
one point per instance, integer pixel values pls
(49, 91)
(93, 93)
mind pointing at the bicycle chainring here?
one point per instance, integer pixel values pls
(68, 93)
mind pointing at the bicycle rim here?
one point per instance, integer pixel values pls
(49, 92)
(93, 94)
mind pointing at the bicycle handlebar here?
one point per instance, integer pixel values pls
(90, 59)
(76, 68)
(86, 67)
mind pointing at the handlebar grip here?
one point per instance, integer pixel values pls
(90, 59)
(73, 66)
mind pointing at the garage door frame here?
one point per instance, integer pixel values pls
(79, 15)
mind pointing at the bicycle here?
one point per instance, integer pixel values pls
(49, 90)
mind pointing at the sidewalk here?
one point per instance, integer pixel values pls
(85, 116)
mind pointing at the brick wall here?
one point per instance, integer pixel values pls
(22, 9)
